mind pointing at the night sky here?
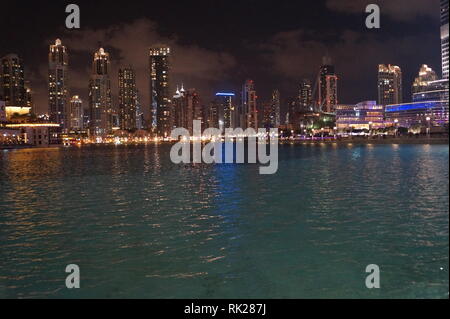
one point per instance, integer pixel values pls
(218, 44)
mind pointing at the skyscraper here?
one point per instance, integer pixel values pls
(305, 96)
(390, 89)
(225, 109)
(328, 82)
(127, 99)
(272, 111)
(194, 110)
(179, 109)
(12, 81)
(426, 74)
(444, 37)
(249, 106)
(76, 114)
(276, 109)
(100, 101)
(58, 63)
(159, 91)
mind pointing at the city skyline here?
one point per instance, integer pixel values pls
(211, 70)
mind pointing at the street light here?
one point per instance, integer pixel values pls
(396, 127)
(428, 126)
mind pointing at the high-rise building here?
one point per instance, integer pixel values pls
(58, 63)
(444, 37)
(272, 111)
(328, 85)
(194, 110)
(179, 109)
(12, 81)
(225, 108)
(100, 101)
(390, 88)
(76, 113)
(305, 96)
(426, 74)
(127, 99)
(276, 109)
(249, 106)
(161, 116)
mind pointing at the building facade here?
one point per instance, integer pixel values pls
(100, 100)
(365, 115)
(161, 116)
(249, 106)
(76, 114)
(223, 109)
(12, 81)
(305, 96)
(328, 87)
(58, 95)
(433, 113)
(444, 37)
(128, 98)
(390, 86)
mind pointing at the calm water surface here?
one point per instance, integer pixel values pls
(141, 227)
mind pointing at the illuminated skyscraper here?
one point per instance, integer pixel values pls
(161, 116)
(179, 109)
(426, 75)
(127, 99)
(249, 107)
(100, 101)
(272, 111)
(390, 89)
(12, 81)
(76, 113)
(305, 96)
(224, 108)
(328, 82)
(444, 37)
(58, 63)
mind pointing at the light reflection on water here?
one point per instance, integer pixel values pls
(141, 227)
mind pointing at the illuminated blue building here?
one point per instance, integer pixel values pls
(418, 113)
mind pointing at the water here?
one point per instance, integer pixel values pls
(140, 227)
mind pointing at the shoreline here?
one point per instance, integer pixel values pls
(354, 141)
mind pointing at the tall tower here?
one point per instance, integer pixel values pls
(159, 91)
(76, 113)
(444, 37)
(305, 96)
(100, 101)
(249, 108)
(225, 109)
(58, 63)
(328, 82)
(275, 110)
(390, 88)
(12, 81)
(127, 99)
